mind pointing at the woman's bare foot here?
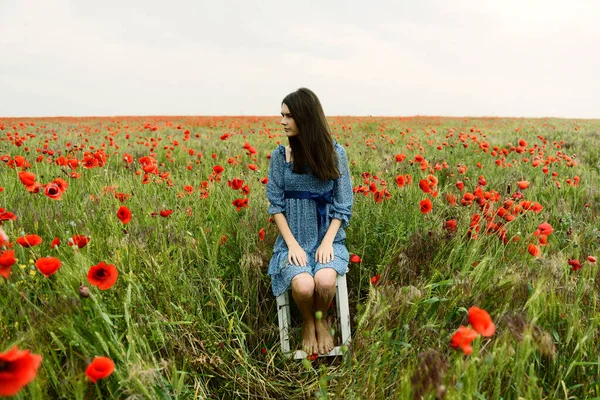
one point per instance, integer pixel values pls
(324, 339)
(309, 339)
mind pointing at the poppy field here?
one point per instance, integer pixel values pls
(138, 250)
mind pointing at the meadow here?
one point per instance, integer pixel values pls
(449, 213)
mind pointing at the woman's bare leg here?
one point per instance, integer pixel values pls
(303, 292)
(324, 291)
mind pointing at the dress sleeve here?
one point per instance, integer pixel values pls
(275, 186)
(343, 196)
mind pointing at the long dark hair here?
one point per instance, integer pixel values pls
(313, 145)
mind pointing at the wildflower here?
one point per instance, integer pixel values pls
(17, 369)
(354, 258)
(523, 184)
(534, 250)
(29, 240)
(481, 321)
(591, 259)
(48, 265)
(575, 264)
(239, 203)
(543, 229)
(235, 183)
(27, 178)
(124, 215)
(53, 191)
(55, 243)
(100, 368)
(400, 180)
(450, 225)
(103, 276)
(375, 279)
(426, 206)
(79, 241)
(261, 234)
(462, 339)
(166, 213)
(7, 260)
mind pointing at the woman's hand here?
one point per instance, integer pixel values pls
(296, 255)
(324, 253)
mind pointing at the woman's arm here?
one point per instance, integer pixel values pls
(296, 254)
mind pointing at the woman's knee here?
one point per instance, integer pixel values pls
(303, 285)
(325, 279)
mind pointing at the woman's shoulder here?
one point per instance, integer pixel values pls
(278, 151)
(338, 148)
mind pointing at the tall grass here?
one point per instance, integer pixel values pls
(192, 315)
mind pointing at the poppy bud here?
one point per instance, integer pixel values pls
(84, 291)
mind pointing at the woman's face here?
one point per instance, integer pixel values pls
(287, 120)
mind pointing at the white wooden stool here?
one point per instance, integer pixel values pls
(343, 312)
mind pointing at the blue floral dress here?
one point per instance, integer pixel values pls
(302, 216)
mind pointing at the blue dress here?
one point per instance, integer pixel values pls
(302, 216)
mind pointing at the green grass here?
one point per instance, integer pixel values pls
(190, 315)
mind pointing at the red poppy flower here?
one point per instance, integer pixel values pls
(460, 185)
(48, 265)
(400, 180)
(52, 190)
(35, 188)
(6, 216)
(103, 276)
(124, 215)
(239, 203)
(235, 183)
(261, 234)
(424, 185)
(217, 169)
(61, 183)
(543, 229)
(375, 279)
(264, 181)
(17, 369)
(450, 225)
(354, 258)
(100, 368)
(55, 243)
(591, 259)
(462, 339)
(79, 240)
(27, 178)
(122, 197)
(534, 250)
(575, 264)
(29, 240)
(7, 260)
(481, 321)
(166, 213)
(523, 184)
(426, 206)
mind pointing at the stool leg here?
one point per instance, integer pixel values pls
(283, 315)
(342, 308)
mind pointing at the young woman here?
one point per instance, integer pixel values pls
(310, 195)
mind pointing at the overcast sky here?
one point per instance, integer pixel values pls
(452, 58)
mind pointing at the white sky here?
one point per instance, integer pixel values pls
(452, 58)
